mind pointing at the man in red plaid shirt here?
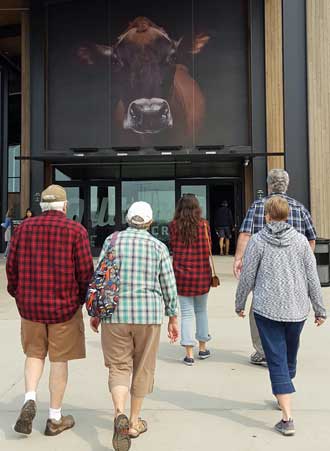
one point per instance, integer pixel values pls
(48, 269)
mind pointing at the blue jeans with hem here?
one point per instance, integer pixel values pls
(7, 249)
(280, 341)
(194, 306)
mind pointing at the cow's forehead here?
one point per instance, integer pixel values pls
(143, 38)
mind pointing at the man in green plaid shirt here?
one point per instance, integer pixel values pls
(130, 338)
(147, 281)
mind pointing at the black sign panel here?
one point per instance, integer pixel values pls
(147, 74)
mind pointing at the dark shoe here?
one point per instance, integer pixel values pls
(121, 441)
(285, 427)
(258, 359)
(204, 354)
(54, 427)
(188, 361)
(24, 421)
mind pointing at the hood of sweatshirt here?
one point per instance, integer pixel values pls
(278, 234)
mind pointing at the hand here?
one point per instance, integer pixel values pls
(319, 321)
(94, 323)
(241, 314)
(173, 329)
(237, 268)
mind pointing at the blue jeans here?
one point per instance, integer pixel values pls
(280, 341)
(194, 306)
(7, 249)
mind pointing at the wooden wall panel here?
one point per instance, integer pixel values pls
(274, 82)
(318, 62)
(25, 144)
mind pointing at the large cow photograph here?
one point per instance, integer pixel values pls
(147, 74)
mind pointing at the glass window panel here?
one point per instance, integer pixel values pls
(200, 193)
(160, 195)
(14, 166)
(14, 185)
(61, 177)
(76, 203)
(103, 213)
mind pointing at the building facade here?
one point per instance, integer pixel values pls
(130, 103)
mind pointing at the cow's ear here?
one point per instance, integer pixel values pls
(199, 42)
(105, 50)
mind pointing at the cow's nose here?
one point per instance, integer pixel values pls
(148, 115)
(164, 110)
(136, 110)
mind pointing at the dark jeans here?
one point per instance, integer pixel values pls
(280, 341)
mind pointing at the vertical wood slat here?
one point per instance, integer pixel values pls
(274, 82)
(318, 69)
(25, 136)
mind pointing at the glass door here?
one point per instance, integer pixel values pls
(160, 194)
(199, 189)
(76, 203)
(103, 217)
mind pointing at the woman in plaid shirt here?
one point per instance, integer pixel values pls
(192, 270)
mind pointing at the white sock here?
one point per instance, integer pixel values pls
(30, 396)
(55, 414)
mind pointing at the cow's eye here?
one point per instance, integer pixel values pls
(171, 58)
(116, 61)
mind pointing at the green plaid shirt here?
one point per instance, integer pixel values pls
(147, 281)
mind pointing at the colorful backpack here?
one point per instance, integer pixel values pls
(102, 294)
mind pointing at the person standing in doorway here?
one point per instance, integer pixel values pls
(130, 337)
(189, 244)
(7, 225)
(280, 268)
(48, 269)
(28, 214)
(299, 218)
(224, 224)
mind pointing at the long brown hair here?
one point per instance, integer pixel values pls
(187, 215)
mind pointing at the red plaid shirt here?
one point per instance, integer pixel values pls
(49, 267)
(191, 264)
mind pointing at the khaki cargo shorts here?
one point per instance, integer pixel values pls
(130, 352)
(61, 341)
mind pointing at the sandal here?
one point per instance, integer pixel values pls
(140, 428)
(121, 440)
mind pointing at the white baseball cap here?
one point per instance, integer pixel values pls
(141, 209)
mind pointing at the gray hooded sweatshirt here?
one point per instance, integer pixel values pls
(280, 268)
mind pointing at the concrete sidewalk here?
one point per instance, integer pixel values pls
(221, 403)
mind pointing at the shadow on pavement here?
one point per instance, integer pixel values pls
(175, 353)
(219, 407)
(88, 423)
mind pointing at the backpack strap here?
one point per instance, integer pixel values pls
(114, 239)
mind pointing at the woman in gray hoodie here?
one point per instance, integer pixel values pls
(280, 267)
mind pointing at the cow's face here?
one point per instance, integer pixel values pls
(143, 64)
(146, 79)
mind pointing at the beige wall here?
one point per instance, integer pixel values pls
(318, 62)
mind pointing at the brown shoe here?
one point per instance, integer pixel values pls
(24, 421)
(54, 427)
(121, 441)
